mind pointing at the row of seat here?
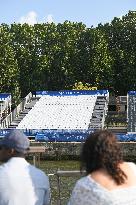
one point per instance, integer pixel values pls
(62, 112)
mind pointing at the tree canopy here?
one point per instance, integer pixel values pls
(55, 57)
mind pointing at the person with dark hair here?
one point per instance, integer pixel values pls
(109, 179)
(20, 182)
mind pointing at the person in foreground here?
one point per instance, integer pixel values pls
(20, 182)
(109, 180)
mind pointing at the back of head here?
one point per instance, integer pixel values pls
(101, 151)
(17, 140)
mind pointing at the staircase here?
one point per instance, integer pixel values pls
(22, 114)
(100, 110)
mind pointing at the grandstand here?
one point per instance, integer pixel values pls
(70, 110)
(70, 115)
(75, 112)
(5, 105)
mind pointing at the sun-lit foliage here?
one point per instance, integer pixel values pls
(55, 56)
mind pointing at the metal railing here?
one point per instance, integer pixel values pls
(62, 183)
(15, 113)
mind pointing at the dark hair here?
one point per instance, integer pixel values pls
(101, 150)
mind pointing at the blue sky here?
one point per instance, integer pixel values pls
(90, 12)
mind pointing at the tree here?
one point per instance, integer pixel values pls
(122, 45)
(8, 65)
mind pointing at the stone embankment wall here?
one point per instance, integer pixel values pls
(72, 150)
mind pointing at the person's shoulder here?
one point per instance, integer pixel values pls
(4, 165)
(4, 168)
(84, 192)
(132, 164)
(37, 171)
(83, 181)
(39, 178)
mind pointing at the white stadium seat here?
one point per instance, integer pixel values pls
(60, 112)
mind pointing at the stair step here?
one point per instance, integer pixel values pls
(22, 114)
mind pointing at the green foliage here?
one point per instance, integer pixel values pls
(81, 86)
(121, 35)
(54, 57)
(9, 73)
